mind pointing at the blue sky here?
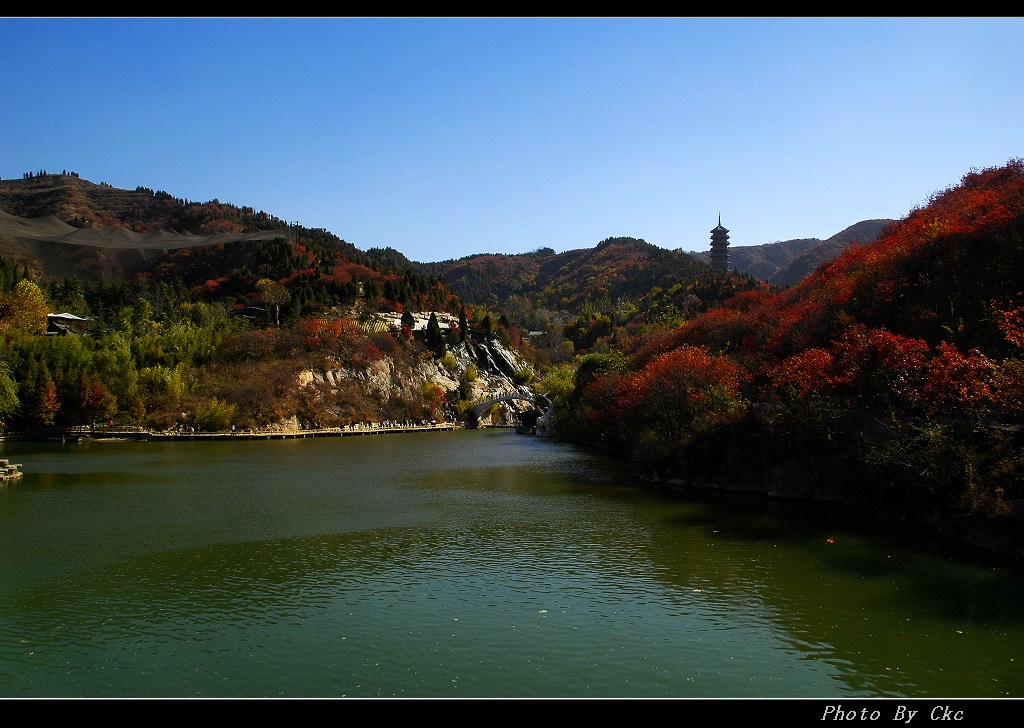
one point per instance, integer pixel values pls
(445, 137)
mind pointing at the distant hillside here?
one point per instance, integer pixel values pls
(862, 233)
(762, 261)
(59, 225)
(625, 269)
(784, 263)
(616, 268)
(395, 260)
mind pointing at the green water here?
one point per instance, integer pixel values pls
(466, 564)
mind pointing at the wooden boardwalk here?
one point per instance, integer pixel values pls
(115, 433)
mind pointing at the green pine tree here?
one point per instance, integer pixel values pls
(435, 339)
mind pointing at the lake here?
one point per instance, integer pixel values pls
(467, 564)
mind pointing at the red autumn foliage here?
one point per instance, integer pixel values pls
(604, 420)
(212, 227)
(680, 393)
(880, 361)
(920, 278)
(344, 338)
(805, 374)
(321, 333)
(955, 379)
(301, 253)
(1011, 323)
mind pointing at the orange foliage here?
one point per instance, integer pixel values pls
(875, 280)
(321, 332)
(342, 337)
(211, 286)
(954, 378)
(212, 227)
(721, 329)
(434, 399)
(1011, 323)
(808, 373)
(301, 253)
(881, 359)
(679, 393)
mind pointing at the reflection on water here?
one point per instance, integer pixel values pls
(464, 564)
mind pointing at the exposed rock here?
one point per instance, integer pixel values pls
(496, 368)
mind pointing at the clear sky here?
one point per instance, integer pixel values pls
(445, 137)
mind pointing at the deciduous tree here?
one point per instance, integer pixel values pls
(273, 294)
(8, 393)
(24, 309)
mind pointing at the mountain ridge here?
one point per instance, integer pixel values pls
(87, 206)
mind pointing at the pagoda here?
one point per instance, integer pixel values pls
(719, 248)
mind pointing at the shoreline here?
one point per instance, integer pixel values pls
(138, 434)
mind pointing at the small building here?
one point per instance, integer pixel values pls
(61, 324)
(249, 312)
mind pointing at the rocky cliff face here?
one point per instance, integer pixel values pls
(386, 381)
(497, 367)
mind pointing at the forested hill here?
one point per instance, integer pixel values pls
(804, 263)
(625, 269)
(125, 216)
(615, 270)
(890, 378)
(213, 249)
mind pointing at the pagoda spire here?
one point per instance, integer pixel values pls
(720, 248)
